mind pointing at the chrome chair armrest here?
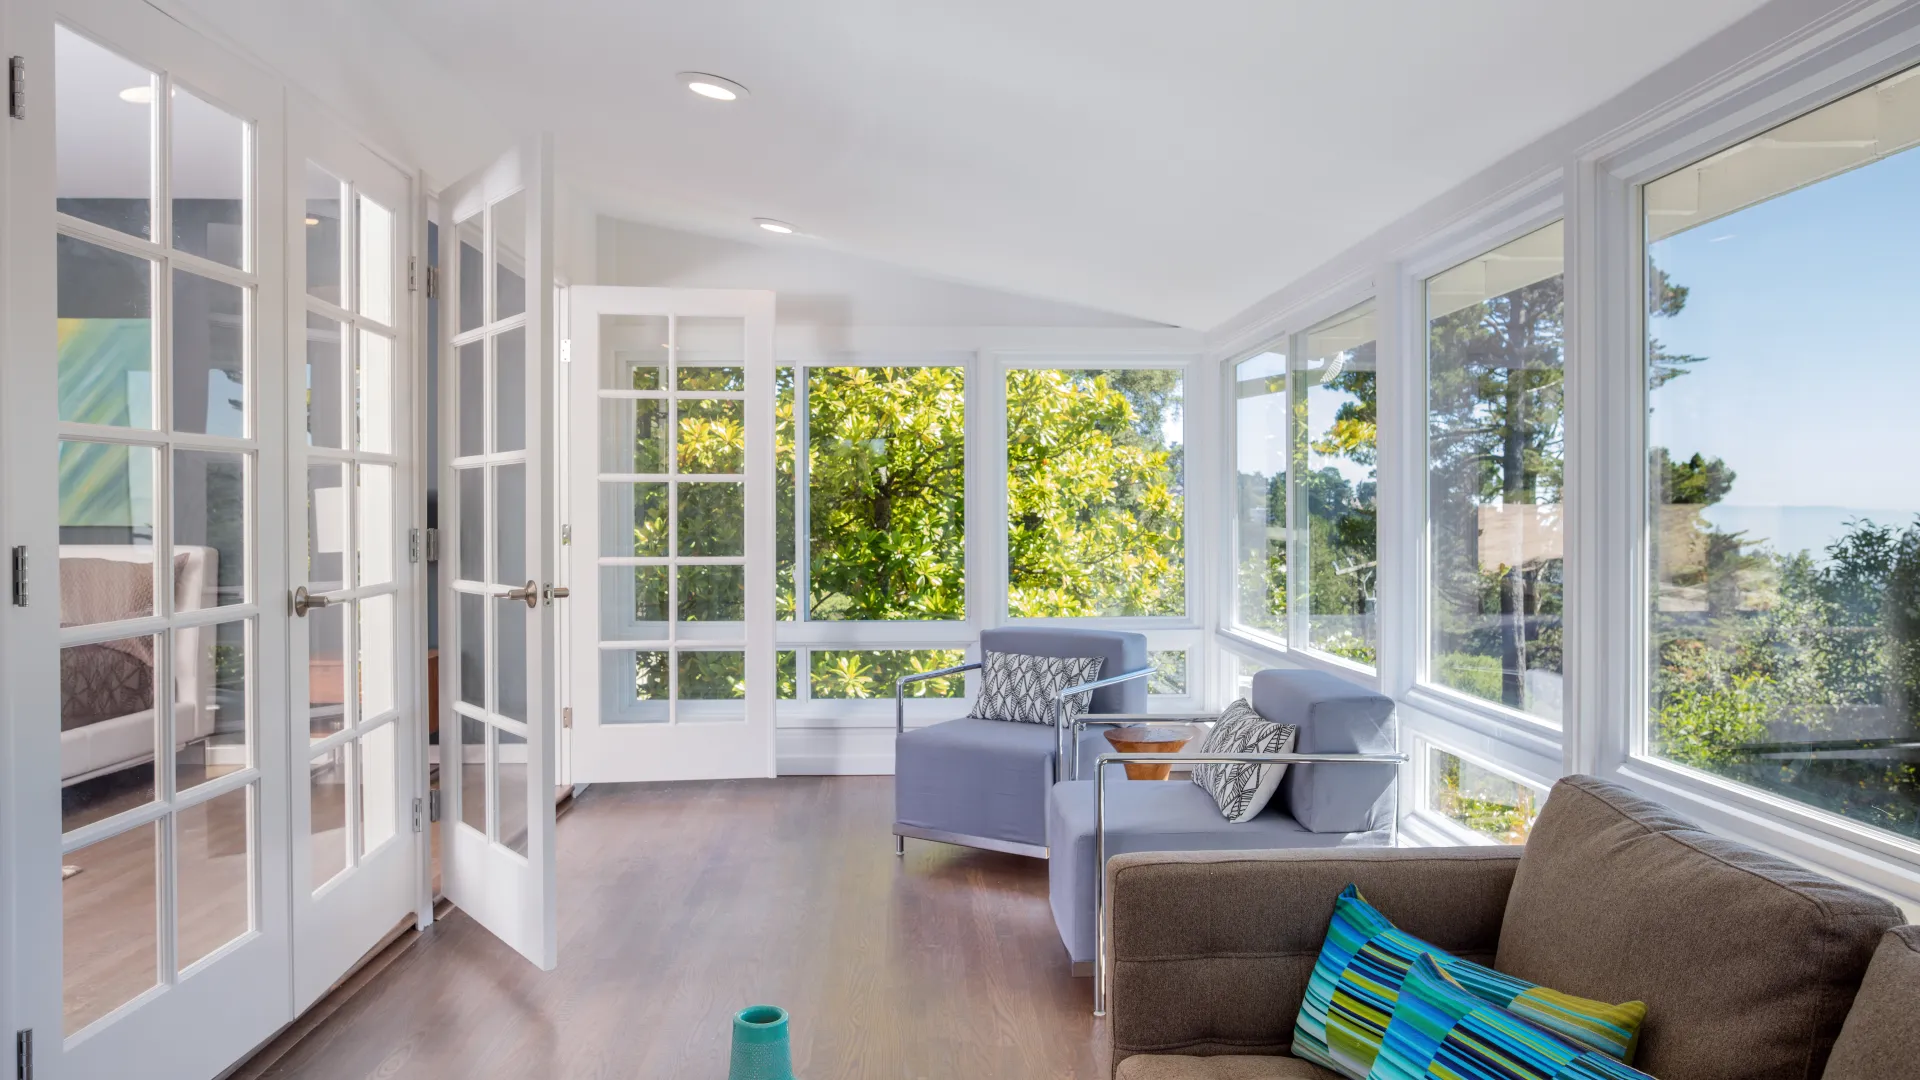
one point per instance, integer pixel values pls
(1124, 720)
(1100, 826)
(900, 690)
(1060, 717)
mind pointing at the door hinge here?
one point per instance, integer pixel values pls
(566, 717)
(413, 545)
(23, 1054)
(566, 535)
(411, 262)
(433, 545)
(20, 576)
(17, 87)
(566, 350)
(417, 810)
(433, 805)
(433, 282)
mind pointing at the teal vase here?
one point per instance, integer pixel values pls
(760, 1047)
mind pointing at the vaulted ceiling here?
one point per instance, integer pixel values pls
(1169, 161)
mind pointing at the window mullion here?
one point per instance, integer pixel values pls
(802, 528)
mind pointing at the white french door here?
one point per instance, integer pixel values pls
(358, 653)
(147, 744)
(498, 523)
(670, 500)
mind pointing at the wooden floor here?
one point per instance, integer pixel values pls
(681, 903)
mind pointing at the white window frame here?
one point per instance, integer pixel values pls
(984, 371)
(1287, 336)
(1426, 825)
(1200, 480)
(1536, 208)
(1613, 407)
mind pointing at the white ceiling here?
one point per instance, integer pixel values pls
(1169, 161)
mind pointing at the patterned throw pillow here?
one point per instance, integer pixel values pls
(1440, 1030)
(1356, 984)
(1241, 791)
(1025, 689)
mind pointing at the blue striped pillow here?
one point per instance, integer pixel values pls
(1352, 991)
(1440, 1031)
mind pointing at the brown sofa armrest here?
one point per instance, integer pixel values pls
(1212, 949)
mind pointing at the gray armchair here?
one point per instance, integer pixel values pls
(984, 783)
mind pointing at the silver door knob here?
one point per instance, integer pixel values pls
(528, 592)
(558, 592)
(304, 601)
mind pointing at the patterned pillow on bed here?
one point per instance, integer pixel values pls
(1025, 689)
(1242, 791)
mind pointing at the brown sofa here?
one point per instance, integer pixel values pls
(1752, 968)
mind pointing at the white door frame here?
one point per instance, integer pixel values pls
(707, 749)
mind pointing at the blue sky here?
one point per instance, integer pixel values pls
(1808, 309)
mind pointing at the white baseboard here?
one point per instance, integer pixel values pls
(834, 751)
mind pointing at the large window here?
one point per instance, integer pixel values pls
(1096, 501)
(1478, 798)
(1495, 460)
(1335, 455)
(1261, 450)
(1782, 375)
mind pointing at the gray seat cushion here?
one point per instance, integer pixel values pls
(1748, 964)
(1882, 1035)
(1225, 1067)
(1152, 815)
(1120, 652)
(1334, 717)
(982, 778)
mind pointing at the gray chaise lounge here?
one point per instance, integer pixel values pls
(1332, 805)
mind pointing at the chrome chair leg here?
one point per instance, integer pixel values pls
(899, 845)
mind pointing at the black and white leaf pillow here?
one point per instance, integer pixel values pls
(1243, 790)
(1023, 689)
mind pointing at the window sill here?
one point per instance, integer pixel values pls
(1490, 721)
(1878, 861)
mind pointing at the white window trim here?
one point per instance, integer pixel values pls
(1610, 332)
(986, 537)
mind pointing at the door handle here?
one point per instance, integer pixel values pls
(528, 592)
(304, 601)
(558, 592)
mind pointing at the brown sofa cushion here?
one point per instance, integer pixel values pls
(1747, 963)
(1232, 1067)
(1882, 1034)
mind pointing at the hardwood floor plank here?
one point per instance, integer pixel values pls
(682, 903)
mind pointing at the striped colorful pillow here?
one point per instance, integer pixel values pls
(1440, 1031)
(1355, 984)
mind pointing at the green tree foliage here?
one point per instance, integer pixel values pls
(1496, 437)
(887, 462)
(1095, 495)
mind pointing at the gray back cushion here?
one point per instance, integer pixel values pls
(1334, 717)
(1120, 653)
(1748, 964)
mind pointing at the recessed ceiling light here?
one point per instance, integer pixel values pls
(773, 226)
(138, 95)
(311, 220)
(713, 86)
